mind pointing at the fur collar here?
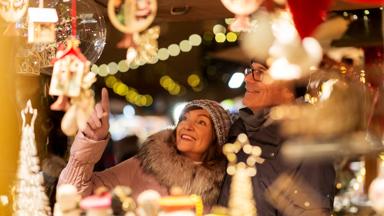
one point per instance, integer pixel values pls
(159, 157)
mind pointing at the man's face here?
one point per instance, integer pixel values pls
(262, 91)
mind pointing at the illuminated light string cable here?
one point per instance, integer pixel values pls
(170, 85)
(163, 54)
(220, 34)
(130, 93)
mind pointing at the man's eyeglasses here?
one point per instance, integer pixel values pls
(257, 71)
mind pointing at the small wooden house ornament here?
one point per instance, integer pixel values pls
(41, 25)
(70, 67)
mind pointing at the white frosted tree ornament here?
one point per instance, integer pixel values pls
(241, 200)
(30, 197)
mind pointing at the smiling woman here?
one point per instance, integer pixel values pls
(194, 134)
(189, 156)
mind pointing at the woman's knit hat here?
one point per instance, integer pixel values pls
(220, 118)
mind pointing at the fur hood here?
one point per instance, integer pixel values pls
(159, 157)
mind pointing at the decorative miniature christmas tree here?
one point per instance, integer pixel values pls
(241, 200)
(30, 197)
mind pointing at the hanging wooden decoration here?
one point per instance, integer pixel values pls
(13, 10)
(71, 81)
(41, 25)
(133, 17)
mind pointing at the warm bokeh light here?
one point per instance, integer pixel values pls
(103, 70)
(218, 28)
(174, 50)
(231, 37)
(220, 38)
(185, 46)
(123, 66)
(195, 40)
(193, 80)
(163, 54)
(113, 68)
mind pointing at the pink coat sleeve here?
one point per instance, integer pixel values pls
(79, 170)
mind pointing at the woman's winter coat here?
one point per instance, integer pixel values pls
(157, 166)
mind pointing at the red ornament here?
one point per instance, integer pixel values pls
(307, 15)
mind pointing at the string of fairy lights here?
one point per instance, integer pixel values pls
(108, 71)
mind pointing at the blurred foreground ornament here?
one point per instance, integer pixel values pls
(291, 57)
(241, 200)
(342, 108)
(242, 10)
(148, 203)
(71, 80)
(355, 143)
(30, 60)
(307, 15)
(338, 124)
(13, 10)
(143, 47)
(98, 204)
(375, 193)
(42, 25)
(133, 17)
(29, 190)
(180, 204)
(329, 30)
(257, 41)
(290, 195)
(122, 201)
(67, 201)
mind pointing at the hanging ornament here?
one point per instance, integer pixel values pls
(90, 27)
(133, 17)
(69, 68)
(242, 9)
(13, 10)
(71, 80)
(143, 47)
(259, 39)
(41, 24)
(307, 15)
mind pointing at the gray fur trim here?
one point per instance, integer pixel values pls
(159, 157)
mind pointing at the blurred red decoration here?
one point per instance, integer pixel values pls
(307, 15)
(374, 65)
(372, 2)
